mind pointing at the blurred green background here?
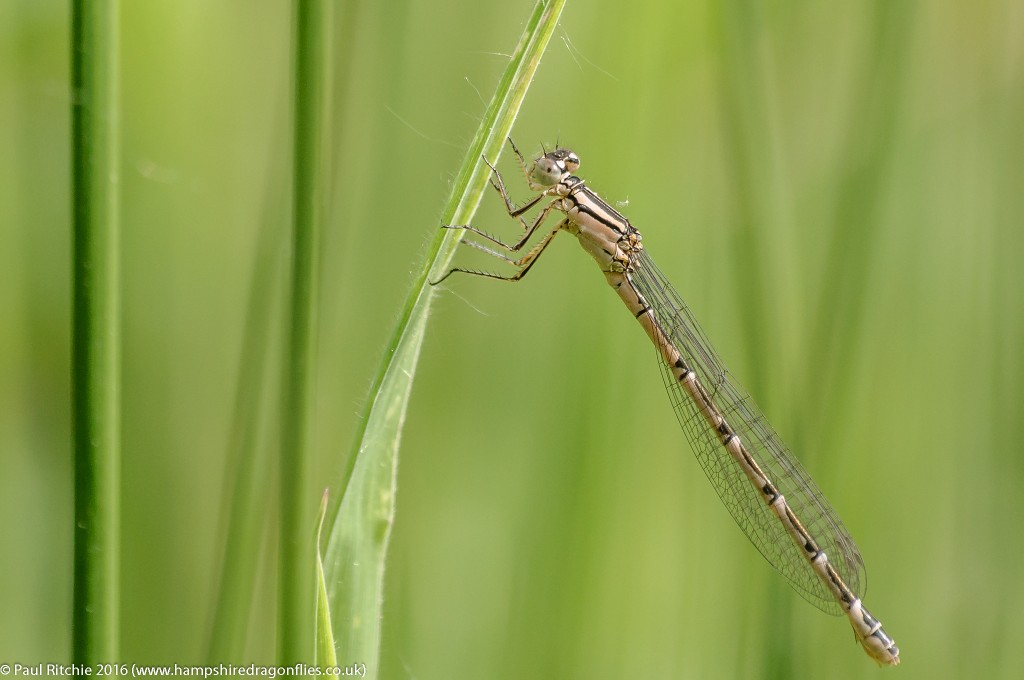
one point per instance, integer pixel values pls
(836, 189)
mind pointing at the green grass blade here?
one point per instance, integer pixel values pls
(96, 375)
(296, 577)
(326, 654)
(252, 441)
(361, 526)
(854, 229)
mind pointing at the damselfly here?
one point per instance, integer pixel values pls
(775, 502)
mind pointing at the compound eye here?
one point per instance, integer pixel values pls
(547, 171)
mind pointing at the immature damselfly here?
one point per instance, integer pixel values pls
(775, 502)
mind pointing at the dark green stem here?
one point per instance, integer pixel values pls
(96, 341)
(298, 498)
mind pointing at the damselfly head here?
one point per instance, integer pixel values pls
(553, 166)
